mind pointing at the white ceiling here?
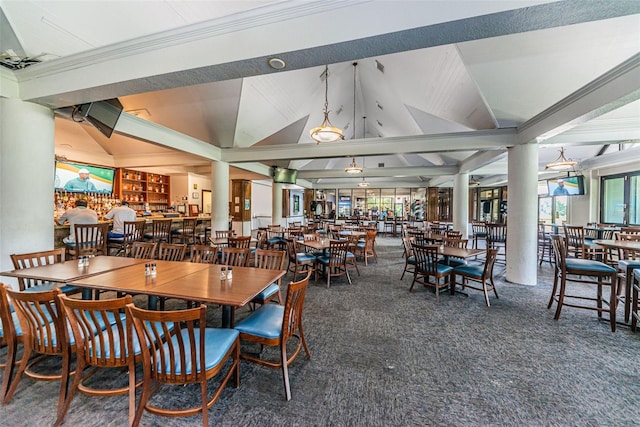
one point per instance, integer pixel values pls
(462, 81)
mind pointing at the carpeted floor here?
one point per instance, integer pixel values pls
(382, 356)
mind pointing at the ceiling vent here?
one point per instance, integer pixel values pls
(339, 110)
(380, 165)
(379, 123)
(379, 66)
(379, 105)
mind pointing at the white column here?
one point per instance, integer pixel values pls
(220, 195)
(522, 214)
(276, 203)
(461, 204)
(26, 179)
(593, 190)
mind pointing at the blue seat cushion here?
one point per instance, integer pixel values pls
(116, 336)
(453, 262)
(350, 255)
(411, 260)
(443, 269)
(217, 342)
(305, 257)
(16, 325)
(269, 291)
(624, 264)
(481, 234)
(361, 245)
(588, 265)
(265, 322)
(470, 270)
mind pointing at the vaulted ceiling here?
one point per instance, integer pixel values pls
(444, 86)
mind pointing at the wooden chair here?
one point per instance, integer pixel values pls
(582, 271)
(366, 249)
(497, 238)
(144, 250)
(581, 247)
(299, 262)
(479, 232)
(274, 325)
(43, 332)
(409, 258)
(545, 250)
(10, 337)
(133, 232)
(191, 354)
(478, 273)
(172, 251)
(186, 233)
(270, 260)
(335, 262)
(91, 239)
(108, 349)
(239, 241)
(455, 242)
(204, 254)
(426, 266)
(635, 301)
(628, 260)
(160, 231)
(236, 257)
(35, 259)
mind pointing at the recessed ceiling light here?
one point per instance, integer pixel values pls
(276, 63)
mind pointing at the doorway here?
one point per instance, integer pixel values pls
(206, 202)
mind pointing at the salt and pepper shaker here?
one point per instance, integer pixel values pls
(153, 269)
(147, 269)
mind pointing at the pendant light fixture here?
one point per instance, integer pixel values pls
(326, 132)
(353, 168)
(561, 163)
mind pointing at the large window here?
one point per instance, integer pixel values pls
(619, 199)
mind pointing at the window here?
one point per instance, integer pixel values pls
(619, 199)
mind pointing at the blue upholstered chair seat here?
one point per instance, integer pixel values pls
(443, 269)
(470, 270)
(116, 239)
(269, 291)
(588, 265)
(453, 262)
(116, 337)
(361, 244)
(623, 264)
(275, 240)
(217, 343)
(16, 325)
(305, 257)
(350, 255)
(47, 286)
(411, 260)
(265, 322)
(481, 234)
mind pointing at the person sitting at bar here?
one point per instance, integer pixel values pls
(81, 183)
(120, 214)
(80, 214)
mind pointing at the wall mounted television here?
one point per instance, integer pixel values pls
(68, 178)
(566, 186)
(103, 115)
(284, 175)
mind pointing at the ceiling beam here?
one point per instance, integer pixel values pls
(138, 128)
(481, 159)
(462, 141)
(612, 159)
(381, 172)
(614, 89)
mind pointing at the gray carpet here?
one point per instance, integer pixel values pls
(382, 356)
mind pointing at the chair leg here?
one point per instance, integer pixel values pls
(64, 381)
(69, 394)
(9, 367)
(26, 354)
(285, 369)
(553, 291)
(486, 293)
(563, 284)
(203, 397)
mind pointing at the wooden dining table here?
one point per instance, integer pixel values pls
(188, 281)
(68, 271)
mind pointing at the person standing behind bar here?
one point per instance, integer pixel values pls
(81, 214)
(81, 183)
(120, 214)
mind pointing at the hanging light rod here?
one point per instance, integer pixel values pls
(561, 163)
(326, 132)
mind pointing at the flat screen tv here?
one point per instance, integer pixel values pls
(284, 175)
(566, 186)
(103, 115)
(81, 178)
